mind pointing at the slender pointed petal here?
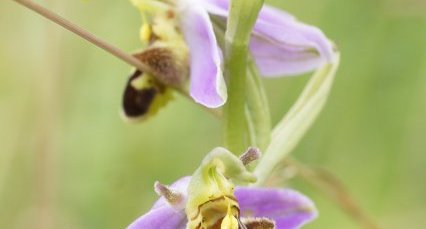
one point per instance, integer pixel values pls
(289, 209)
(289, 47)
(180, 186)
(162, 214)
(207, 85)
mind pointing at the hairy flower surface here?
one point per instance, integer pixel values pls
(280, 44)
(209, 200)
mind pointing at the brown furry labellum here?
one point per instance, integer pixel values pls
(163, 65)
(137, 102)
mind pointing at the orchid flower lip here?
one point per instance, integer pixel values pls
(207, 85)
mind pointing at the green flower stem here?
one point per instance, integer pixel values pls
(252, 87)
(257, 116)
(258, 109)
(234, 119)
(297, 121)
(243, 15)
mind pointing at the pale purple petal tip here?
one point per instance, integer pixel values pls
(289, 209)
(289, 47)
(162, 217)
(180, 186)
(281, 45)
(207, 85)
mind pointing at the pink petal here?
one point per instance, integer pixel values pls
(162, 215)
(280, 44)
(207, 85)
(289, 209)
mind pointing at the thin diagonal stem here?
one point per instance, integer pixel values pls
(84, 34)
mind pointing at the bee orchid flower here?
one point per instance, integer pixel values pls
(209, 200)
(184, 31)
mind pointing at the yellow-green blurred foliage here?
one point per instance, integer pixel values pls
(67, 159)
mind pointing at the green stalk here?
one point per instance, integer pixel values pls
(234, 119)
(242, 16)
(258, 109)
(258, 120)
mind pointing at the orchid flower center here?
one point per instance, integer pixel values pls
(161, 25)
(211, 200)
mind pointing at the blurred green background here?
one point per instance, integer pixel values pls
(67, 159)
